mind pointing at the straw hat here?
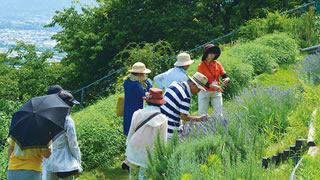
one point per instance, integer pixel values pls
(211, 48)
(155, 96)
(200, 80)
(183, 59)
(139, 67)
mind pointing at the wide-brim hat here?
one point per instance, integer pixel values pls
(139, 67)
(183, 59)
(200, 80)
(211, 48)
(155, 96)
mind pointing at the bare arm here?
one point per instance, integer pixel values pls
(10, 150)
(187, 117)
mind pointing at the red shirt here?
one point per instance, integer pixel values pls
(212, 71)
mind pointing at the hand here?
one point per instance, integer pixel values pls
(204, 117)
(225, 81)
(216, 87)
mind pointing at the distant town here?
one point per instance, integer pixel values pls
(30, 31)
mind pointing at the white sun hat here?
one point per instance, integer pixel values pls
(183, 59)
(139, 67)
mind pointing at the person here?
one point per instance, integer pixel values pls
(178, 73)
(55, 89)
(65, 160)
(135, 87)
(140, 138)
(212, 69)
(25, 164)
(178, 97)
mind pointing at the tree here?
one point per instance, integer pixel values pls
(27, 74)
(92, 38)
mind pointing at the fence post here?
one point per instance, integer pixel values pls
(82, 92)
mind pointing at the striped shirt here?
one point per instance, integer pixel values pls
(178, 97)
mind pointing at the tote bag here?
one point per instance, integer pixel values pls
(120, 105)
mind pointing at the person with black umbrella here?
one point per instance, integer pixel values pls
(32, 128)
(25, 164)
(65, 160)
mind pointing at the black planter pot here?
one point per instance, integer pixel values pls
(292, 150)
(300, 144)
(286, 153)
(265, 162)
(280, 156)
(275, 159)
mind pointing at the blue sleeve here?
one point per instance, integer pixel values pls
(138, 90)
(149, 84)
(159, 80)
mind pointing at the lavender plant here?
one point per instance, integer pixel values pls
(309, 69)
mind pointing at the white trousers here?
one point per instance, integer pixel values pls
(204, 97)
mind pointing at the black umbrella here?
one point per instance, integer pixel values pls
(38, 121)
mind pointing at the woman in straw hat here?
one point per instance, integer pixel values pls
(212, 69)
(143, 131)
(135, 87)
(178, 73)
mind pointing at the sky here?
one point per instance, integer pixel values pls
(16, 8)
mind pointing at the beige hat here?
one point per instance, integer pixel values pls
(200, 80)
(183, 59)
(139, 67)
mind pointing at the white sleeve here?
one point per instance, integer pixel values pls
(72, 140)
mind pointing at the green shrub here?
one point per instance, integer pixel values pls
(239, 72)
(152, 55)
(285, 48)
(7, 110)
(257, 55)
(100, 133)
(188, 157)
(303, 29)
(309, 168)
(3, 162)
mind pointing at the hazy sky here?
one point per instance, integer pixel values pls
(37, 7)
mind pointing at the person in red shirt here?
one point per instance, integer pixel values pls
(212, 69)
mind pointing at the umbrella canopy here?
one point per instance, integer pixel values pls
(38, 121)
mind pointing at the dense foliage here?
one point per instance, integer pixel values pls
(92, 38)
(100, 133)
(27, 74)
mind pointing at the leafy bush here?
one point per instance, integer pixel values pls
(7, 110)
(100, 133)
(3, 162)
(257, 55)
(239, 72)
(152, 55)
(303, 29)
(285, 48)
